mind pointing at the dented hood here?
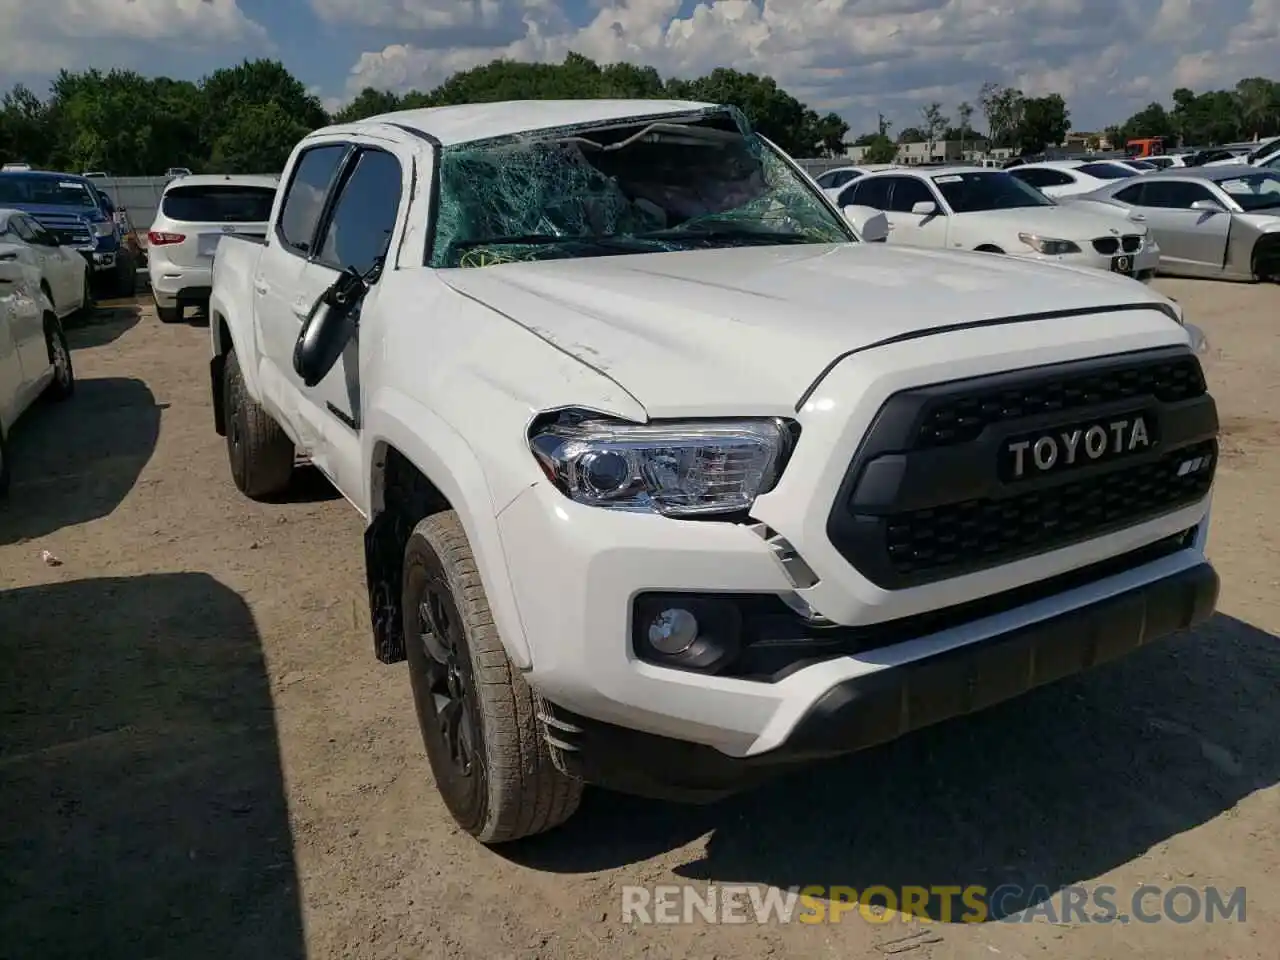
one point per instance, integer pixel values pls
(748, 330)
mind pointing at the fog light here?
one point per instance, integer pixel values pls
(673, 631)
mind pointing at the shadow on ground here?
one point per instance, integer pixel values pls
(75, 461)
(144, 806)
(1051, 789)
(107, 323)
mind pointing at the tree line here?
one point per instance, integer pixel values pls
(247, 117)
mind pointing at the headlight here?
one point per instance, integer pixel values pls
(675, 469)
(104, 228)
(1048, 247)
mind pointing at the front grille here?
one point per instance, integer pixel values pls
(961, 419)
(929, 494)
(1130, 243)
(70, 230)
(1000, 531)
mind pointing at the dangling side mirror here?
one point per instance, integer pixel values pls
(328, 327)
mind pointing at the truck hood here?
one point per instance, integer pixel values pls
(1064, 222)
(747, 331)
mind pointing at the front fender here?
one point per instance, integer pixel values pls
(442, 455)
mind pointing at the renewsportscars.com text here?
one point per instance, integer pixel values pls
(754, 903)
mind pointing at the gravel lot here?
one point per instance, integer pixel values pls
(200, 757)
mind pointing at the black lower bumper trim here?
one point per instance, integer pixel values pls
(870, 710)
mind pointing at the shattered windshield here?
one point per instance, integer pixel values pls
(678, 183)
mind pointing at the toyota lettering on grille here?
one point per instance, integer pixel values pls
(1076, 445)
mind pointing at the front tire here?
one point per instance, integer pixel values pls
(63, 384)
(478, 716)
(259, 451)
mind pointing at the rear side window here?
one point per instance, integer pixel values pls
(312, 176)
(872, 193)
(1042, 176)
(218, 203)
(1107, 171)
(365, 214)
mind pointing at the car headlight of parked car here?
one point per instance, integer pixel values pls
(676, 469)
(1048, 246)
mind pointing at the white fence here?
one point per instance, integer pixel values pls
(138, 197)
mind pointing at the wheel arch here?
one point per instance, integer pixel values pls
(415, 471)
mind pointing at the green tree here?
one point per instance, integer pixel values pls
(256, 83)
(1045, 122)
(1259, 100)
(368, 103)
(935, 123)
(26, 134)
(257, 138)
(880, 149)
(1003, 107)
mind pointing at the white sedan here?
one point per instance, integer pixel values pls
(972, 208)
(62, 271)
(1065, 178)
(34, 356)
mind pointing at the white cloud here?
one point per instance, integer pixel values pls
(860, 56)
(37, 33)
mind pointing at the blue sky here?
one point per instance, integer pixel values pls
(857, 57)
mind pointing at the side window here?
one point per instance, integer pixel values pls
(872, 193)
(1131, 195)
(22, 227)
(1043, 177)
(312, 176)
(1172, 195)
(840, 178)
(365, 214)
(907, 192)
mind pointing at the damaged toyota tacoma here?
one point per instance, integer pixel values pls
(671, 480)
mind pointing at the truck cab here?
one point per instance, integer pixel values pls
(670, 480)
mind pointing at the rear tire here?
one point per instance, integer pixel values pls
(259, 451)
(63, 384)
(124, 282)
(87, 305)
(478, 717)
(169, 314)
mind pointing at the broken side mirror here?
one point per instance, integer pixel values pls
(872, 225)
(328, 327)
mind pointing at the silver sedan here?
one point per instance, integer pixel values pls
(1219, 222)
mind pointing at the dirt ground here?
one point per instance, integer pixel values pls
(200, 757)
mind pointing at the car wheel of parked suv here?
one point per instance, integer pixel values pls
(169, 314)
(63, 384)
(261, 454)
(478, 716)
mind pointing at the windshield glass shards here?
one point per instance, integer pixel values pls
(671, 184)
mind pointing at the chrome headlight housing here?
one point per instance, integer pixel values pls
(1047, 245)
(693, 468)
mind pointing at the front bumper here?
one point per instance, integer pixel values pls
(99, 262)
(877, 707)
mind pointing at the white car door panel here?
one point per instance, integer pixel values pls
(356, 237)
(10, 365)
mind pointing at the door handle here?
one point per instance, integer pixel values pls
(261, 286)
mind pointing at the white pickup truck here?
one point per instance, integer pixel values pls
(671, 480)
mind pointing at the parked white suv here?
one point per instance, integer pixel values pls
(669, 480)
(195, 213)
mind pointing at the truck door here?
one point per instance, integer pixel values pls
(279, 303)
(356, 233)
